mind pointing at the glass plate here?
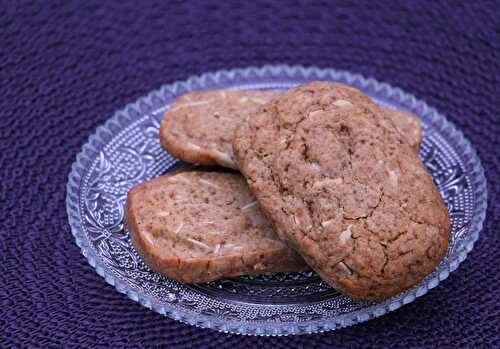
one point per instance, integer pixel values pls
(126, 151)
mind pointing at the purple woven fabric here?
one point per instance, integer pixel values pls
(65, 67)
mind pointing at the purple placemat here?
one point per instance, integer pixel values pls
(65, 67)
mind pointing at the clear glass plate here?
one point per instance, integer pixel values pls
(126, 151)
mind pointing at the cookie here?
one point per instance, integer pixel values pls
(344, 189)
(201, 226)
(199, 126)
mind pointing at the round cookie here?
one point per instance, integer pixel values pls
(201, 226)
(344, 188)
(199, 126)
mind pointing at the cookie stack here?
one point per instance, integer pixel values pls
(329, 181)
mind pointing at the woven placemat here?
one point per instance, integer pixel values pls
(66, 66)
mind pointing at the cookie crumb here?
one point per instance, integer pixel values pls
(179, 228)
(217, 249)
(210, 184)
(191, 104)
(181, 179)
(315, 112)
(224, 158)
(316, 167)
(258, 100)
(342, 103)
(233, 247)
(199, 244)
(193, 146)
(149, 237)
(393, 178)
(327, 182)
(345, 268)
(325, 224)
(259, 266)
(250, 205)
(346, 234)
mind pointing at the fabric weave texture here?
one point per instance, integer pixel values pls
(66, 66)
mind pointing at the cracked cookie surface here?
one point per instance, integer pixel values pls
(344, 189)
(200, 226)
(199, 126)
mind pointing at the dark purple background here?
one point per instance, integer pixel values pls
(65, 67)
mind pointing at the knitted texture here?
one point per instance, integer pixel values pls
(66, 66)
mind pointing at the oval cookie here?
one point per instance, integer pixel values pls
(201, 226)
(344, 189)
(199, 126)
